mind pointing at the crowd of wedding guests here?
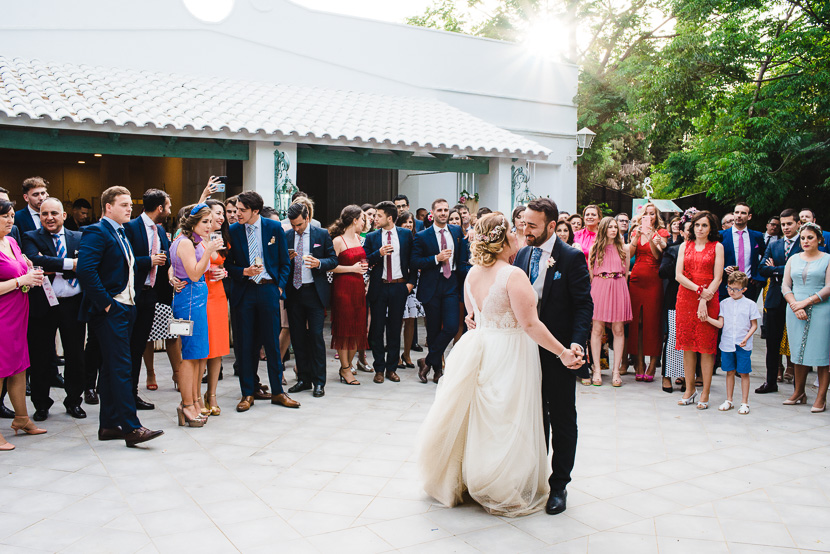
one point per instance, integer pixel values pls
(680, 296)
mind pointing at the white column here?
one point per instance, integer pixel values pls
(258, 170)
(494, 188)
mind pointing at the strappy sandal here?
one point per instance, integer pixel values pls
(616, 380)
(687, 401)
(347, 377)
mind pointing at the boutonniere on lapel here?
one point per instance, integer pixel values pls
(272, 241)
(551, 263)
(76, 253)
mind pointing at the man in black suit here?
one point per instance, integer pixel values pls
(388, 251)
(402, 204)
(80, 215)
(106, 271)
(150, 247)
(559, 274)
(440, 255)
(55, 248)
(306, 296)
(772, 267)
(34, 193)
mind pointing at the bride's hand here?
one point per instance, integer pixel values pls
(470, 322)
(569, 358)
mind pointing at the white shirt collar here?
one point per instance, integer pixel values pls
(61, 233)
(257, 225)
(548, 245)
(147, 221)
(33, 212)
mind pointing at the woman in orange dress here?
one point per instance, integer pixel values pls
(217, 309)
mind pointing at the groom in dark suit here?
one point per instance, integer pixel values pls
(559, 275)
(440, 255)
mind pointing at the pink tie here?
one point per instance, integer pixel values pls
(154, 249)
(446, 270)
(389, 258)
(741, 264)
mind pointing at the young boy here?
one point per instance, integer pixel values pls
(739, 320)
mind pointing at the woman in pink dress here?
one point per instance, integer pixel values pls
(15, 280)
(585, 237)
(609, 261)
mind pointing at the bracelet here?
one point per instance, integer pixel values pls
(561, 353)
(700, 290)
(16, 283)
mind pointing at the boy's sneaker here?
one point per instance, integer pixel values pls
(744, 409)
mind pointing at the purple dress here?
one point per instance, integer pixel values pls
(14, 315)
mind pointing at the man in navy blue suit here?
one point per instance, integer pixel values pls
(739, 241)
(150, 246)
(55, 248)
(106, 272)
(806, 215)
(772, 268)
(402, 204)
(307, 295)
(391, 279)
(34, 193)
(440, 255)
(259, 266)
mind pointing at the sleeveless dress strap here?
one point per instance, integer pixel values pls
(470, 295)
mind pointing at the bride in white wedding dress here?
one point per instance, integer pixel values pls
(484, 432)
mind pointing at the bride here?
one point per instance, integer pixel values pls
(484, 432)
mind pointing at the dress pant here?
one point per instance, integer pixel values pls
(776, 324)
(145, 307)
(559, 410)
(258, 316)
(92, 359)
(62, 318)
(115, 384)
(306, 315)
(387, 315)
(754, 289)
(441, 319)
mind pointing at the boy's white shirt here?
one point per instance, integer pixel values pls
(737, 319)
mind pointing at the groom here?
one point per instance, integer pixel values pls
(559, 275)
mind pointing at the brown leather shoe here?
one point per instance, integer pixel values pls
(262, 394)
(378, 378)
(142, 434)
(423, 370)
(437, 375)
(110, 434)
(284, 400)
(245, 404)
(392, 376)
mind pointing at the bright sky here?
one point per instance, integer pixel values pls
(387, 10)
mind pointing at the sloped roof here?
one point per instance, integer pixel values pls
(87, 97)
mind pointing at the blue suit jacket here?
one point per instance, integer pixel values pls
(756, 241)
(134, 229)
(377, 263)
(322, 248)
(39, 246)
(103, 270)
(15, 234)
(274, 257)
(423, 257)
(23, 220)
(419, 225)
(775, 274)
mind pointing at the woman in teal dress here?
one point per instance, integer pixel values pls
(806, 288)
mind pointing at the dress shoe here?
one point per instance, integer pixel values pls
(142, 434)
(57, 382)
(766, 388)
(5, 412)
(417, 347)
(319, 391)
(299, 387)
(91, 397)
(392, 376)
(260, 394)
(423, 370)
(245, 404)
(556, 502)
(75, 411)
(41, 415)
(110, 434)
(437, 374)
(143, 405)
(283, 400)
(378, 378)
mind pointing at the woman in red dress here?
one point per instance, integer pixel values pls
(217, 309)
(699, 271)
(645, 335)
(348, 292)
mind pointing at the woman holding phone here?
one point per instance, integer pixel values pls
(217, 307)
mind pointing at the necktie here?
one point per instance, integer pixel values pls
(389, 257)
(535, 256)
(298, 265)
(253, 251)
(62, 254)
(154, 249)
(446, 270)
(741, 263)
(127, 250)
(789, 246)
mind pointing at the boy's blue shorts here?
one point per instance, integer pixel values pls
(740, 360)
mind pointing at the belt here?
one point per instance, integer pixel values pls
(306, 285)
(401, 280)
(263, 281)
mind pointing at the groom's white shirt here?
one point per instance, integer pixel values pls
(539, 285)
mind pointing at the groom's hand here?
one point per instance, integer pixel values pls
(470, 322)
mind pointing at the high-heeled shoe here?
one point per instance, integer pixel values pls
(151, 381)
(6, 446)
(616, 380)
(29, 427)
(818, 410)
(347, 377)
(688, 401)
(801, 399)
(213, 408)
(639, 376)
(184, 419)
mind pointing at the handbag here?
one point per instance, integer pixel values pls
(182, 327)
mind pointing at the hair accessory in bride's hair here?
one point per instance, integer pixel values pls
(494, 234)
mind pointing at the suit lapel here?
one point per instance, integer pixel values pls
(432, 237)
(551, 271)
(47, 241)
(728, 247)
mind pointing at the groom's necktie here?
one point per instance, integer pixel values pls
(534, 264)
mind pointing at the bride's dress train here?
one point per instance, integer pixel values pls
(484, 432)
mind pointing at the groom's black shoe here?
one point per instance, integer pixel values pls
(556, 502)
(423, 370)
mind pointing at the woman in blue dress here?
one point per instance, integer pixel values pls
(806, 288)
(190, 258)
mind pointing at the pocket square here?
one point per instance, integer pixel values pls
(557, 275)
(272, 241)
(316, 246)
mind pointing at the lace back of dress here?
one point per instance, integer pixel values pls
(496, 312)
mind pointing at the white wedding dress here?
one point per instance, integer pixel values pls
(484, 432)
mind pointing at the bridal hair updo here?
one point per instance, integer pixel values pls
(489, 239)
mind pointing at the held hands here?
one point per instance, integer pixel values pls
(444, 255)
(157, 259)
(570, 360)
(702, 314)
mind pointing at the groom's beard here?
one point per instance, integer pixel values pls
(537, 241)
